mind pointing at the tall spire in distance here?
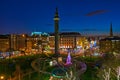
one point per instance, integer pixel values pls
(111, 31)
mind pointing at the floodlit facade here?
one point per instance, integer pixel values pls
(37, 42)
(69, 40)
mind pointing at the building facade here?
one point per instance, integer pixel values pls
(110, 44)
(37, 42)
(4, 43)
(68, 40)
(12, 42)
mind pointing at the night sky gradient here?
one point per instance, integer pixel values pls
(26, 16)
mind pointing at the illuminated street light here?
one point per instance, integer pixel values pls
(2, 77)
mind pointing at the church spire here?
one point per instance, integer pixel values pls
(111, 31)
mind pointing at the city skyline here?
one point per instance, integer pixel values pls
(79, 15)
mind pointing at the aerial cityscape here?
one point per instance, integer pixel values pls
(59, 40)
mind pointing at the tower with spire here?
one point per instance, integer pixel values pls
(56, 32)
(111, 31)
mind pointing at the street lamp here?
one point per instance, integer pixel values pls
(2, 77)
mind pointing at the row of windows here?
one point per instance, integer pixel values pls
(66, 42)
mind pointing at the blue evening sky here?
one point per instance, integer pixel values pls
(26, 16)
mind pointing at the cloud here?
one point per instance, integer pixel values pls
(96, 12)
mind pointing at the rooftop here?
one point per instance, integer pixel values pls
(111, 38)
